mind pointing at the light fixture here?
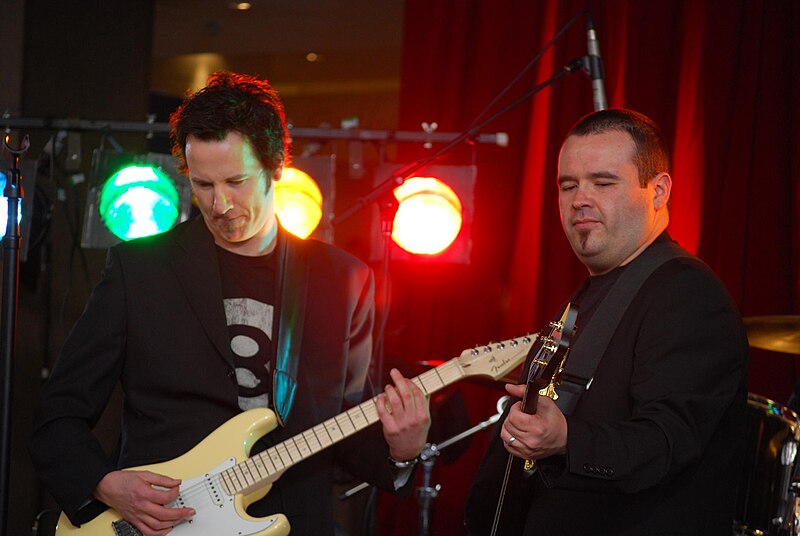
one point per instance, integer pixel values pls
(304, 197)
(433, 222)
(138, 200)
(25, 215)
(4, 206)
(298, 202)
(133, 196)
(429, 216)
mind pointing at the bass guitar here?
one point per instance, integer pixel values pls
(221, 479)
(544, 373)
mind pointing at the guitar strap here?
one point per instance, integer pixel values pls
(290, 292)
(589, 348)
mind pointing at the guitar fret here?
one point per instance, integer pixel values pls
(247, 470)
(320, 439)
(302, 446)
(332, 427)
(450, 372)
(420, 382)
(358, 418)
(227, 482)
(275, 457)
(312, 441)
(363, 409)
(433, 381)
(237, 477)
(263, 472)
(255, 470)
(371, 410)
(345, 424)
(283, 451)
(439, 375)
(268, 465)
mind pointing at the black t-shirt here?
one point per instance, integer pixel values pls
(248, 291)
(589, 297)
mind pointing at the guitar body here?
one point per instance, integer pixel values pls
(220, 479)
(217, 513)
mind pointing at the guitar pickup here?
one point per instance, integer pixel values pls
(212, 487)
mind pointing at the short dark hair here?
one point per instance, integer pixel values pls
(652, 152)
(233, 102)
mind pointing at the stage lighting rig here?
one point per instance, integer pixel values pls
(433, 222)
(304, 197)
(132, 196)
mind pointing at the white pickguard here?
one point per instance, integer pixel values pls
(216, 512)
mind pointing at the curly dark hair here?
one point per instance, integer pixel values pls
(233, 102)
(652, 151)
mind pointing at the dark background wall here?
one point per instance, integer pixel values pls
(87, 60)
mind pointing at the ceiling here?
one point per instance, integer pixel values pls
(357, 45)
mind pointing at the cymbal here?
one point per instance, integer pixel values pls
(779, 333)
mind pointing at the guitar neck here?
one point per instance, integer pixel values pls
(265, 467)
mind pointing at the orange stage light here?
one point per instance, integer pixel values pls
(298, 202)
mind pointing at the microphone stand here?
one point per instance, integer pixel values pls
(426, 493)
(8, 320)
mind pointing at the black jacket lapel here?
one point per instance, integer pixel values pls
(195, 263)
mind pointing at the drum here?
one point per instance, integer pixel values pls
(766, 505)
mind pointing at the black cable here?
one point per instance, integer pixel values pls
(528, 67)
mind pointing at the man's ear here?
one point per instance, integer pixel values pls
(277, 173)
(662, 188)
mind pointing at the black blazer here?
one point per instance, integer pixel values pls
(156, 323)
(655, 445)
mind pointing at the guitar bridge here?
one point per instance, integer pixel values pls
(123, 528)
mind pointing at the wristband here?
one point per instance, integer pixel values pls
(404, 464)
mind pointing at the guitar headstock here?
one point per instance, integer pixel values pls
(550, 356)
(497, 359)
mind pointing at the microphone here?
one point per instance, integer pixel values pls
(594, 66)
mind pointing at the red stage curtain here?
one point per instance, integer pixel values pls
(722, 78)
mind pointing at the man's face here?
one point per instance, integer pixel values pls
(234, 193)
(607, 216)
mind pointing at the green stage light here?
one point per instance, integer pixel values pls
(139, 200)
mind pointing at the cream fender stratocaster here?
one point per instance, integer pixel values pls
(220, 481)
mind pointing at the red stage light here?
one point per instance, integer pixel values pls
(429, 216)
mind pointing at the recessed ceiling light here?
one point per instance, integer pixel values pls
(241, 6)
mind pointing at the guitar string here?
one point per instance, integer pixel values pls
(198, 494)
(194, 494)
(504, 488)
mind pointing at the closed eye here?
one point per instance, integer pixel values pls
(201, 184)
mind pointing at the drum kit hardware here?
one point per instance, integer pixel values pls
(768, 502)
(780, 333)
